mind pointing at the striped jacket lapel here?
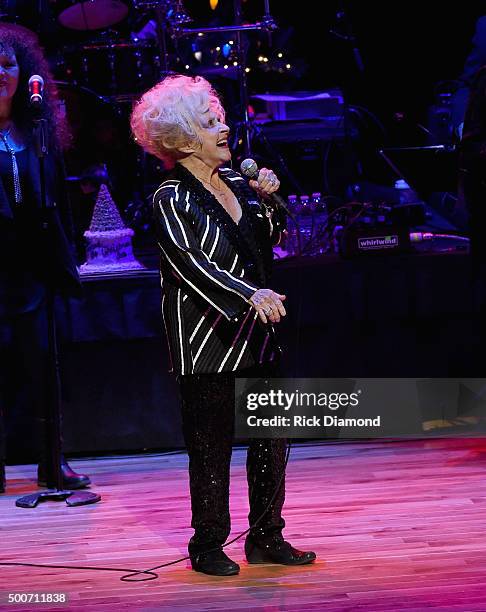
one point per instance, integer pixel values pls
(204, 199)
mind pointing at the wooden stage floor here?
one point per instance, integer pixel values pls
(396, 526)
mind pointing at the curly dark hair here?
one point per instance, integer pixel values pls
(31, 60)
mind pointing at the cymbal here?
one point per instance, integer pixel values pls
(93, 14)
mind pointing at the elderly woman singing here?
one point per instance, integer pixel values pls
(215, 232)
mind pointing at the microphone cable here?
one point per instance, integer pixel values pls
(131, 577)
(130, 574)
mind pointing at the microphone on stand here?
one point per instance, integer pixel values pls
(36, 90)
(250, 169)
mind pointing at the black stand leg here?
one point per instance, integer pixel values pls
(259, 133)
(53, 404)
(246, 131)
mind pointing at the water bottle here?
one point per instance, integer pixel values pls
(292, 203)
(292, 241)
(315, 203)
(304, 205)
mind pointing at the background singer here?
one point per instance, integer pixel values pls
(30, 260)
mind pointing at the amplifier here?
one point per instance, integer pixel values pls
(325, 130)
(298, 105)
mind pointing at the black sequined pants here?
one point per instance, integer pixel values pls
(208, 414)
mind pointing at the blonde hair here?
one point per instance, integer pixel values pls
(166, 116)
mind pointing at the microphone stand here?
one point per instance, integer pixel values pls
(246, 130)
(162, 41)
(53, 408)
(343, 30)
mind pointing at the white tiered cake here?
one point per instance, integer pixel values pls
(109, 242)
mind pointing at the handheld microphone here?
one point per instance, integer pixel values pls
(250, 169)
(36, 90)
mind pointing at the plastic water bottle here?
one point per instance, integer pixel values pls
(304, 204)
(292, 203)
(315, 203)
(292, 242)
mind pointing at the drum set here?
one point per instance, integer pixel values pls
(104, 54)
(90, 14)
(118, 50)
(106, 61)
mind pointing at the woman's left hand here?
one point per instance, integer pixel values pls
(267, 183)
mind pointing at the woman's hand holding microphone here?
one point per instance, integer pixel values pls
(266, 184)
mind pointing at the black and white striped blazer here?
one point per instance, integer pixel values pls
(210, 266)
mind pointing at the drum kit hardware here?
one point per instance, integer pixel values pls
(91, 14)
(113, 68)
(120, 69)
(112, 62)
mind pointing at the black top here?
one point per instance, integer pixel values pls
(29, 256)
(20, 289)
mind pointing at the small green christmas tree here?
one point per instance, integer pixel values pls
(106, 217)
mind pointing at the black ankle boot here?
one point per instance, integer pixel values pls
(70, 478)
(215, 563)
(275, 550)
(2, 478)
